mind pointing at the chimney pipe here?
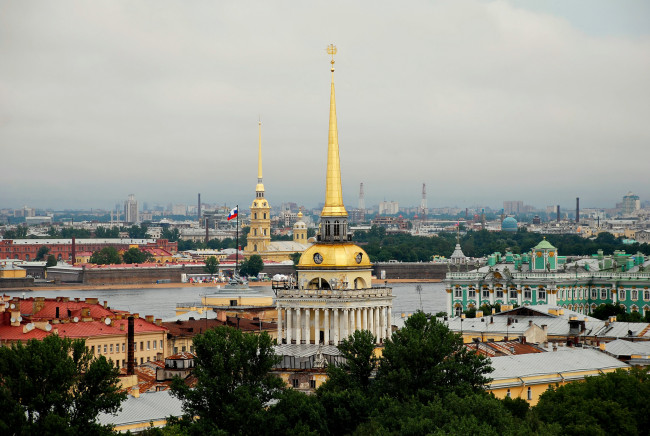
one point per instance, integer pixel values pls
(57, 312)
(130, 366)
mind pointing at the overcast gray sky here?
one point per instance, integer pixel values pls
(483, 101)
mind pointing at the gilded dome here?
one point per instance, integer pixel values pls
(334, 256)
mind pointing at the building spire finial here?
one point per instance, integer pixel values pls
(260, 185)
(333, 190)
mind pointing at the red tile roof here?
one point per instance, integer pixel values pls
(49, 310)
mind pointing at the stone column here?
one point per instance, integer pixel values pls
(279, 325)
(614, 293)
(492, 296)
(346, 323)
(450, 309)
(359, 324)
(305, 326)
(298, 325)
(316, 326)
(365, 318)
(289, 325)
(326, 321)
(389, 326)
(371, 320)
(375, 330)
(382, 322)
(337, 326)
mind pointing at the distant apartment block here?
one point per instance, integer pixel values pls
(131, 210)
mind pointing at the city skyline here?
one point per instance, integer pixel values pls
(482, 101)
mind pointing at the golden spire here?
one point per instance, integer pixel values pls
(333, 191)
(260, 185)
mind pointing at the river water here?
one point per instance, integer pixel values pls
(161, 302)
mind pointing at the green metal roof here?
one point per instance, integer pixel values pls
(544, 245)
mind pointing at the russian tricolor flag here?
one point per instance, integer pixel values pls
(232, 214)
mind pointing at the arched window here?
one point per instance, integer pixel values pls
(337, 228)
(508, 394)
(530, 394)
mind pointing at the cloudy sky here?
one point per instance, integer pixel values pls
(483, 101)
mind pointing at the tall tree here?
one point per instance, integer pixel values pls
(211, 265)
(106, 256)
(233, 383)
(55, 386)
(425, 359)
(42, 252)
(135, 255)
(252, 266)
(51, 261)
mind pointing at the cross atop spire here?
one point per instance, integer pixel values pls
(331, 50)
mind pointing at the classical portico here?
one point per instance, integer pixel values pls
(313, 316)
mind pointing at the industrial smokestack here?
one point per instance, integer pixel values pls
(130, 342)
(74, 251)
(558, 213)
(199, 207)
(577, 210)
(362, 198)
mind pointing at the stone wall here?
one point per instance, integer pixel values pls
(137, 275)
(20, 282)
(411, 270)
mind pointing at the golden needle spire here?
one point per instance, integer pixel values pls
(260, 185)
(333, 191)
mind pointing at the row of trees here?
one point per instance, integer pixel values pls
(382, 247)
(110, 255)
(425, 382)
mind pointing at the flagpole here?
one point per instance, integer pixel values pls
(237, 243)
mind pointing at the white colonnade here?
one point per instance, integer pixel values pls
(312, 325)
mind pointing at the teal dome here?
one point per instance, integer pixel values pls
(509, 224)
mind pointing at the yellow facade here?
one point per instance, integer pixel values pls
(149, 346)
(12, 272)
(530, 388)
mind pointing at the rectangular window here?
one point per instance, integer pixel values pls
(161, 344)
(603, 294)
(175, 350)
(646, 295)
(594, 293)
(499, 293)
(183, 348)
(486, 294)
(312, 384)
(621, 295)
(117, 348)
(541, 294)
(105, 348)
(471, 293)
(635, 295)
(141, 360)
(111, 348)
(154, 345)
(148, 345)
(141, 345)
(458, 293)
(233, 302)
(295, 383)
(123, 348)
(513, 294)
(92, 349)
(148, 359)
(528, 295)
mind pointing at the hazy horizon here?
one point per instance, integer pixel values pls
(484, 101)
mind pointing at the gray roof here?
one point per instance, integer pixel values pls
(150, 406)
(305, 350)
(83, 241)
(551, 363)
(621, 347)
(207, 314)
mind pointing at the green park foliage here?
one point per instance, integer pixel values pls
(382, 247)
(55, 386)
(252, 266)
(211, 265)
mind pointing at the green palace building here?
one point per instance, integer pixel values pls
(542, 276)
